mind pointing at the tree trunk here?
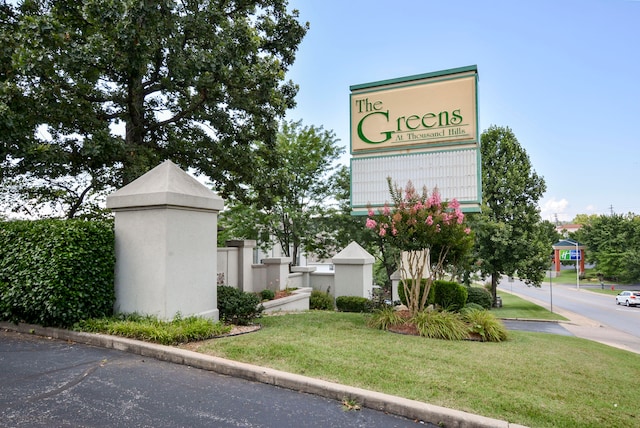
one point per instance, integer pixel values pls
(494, 288)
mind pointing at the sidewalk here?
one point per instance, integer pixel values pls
(587, 328)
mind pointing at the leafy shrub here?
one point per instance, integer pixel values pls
(441, 325)
(238, 307)
(423, 284)
(479, 296)
(449, 295)
(384, 318)
(472, 306)
(353, 304)
(267, 294)
(56, 272)
(321, 301)
(486, 325)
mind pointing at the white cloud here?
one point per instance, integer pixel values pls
(553, 209)
(591, 209)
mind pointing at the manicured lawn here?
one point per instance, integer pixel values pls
(568, 276)
(534, 379)
(607, 291)
(515, 307)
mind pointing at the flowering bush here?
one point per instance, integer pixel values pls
(430, 233)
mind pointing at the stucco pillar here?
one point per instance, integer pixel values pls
(277, 272)
(353, 272)
(395, 283)
(305, 271)
(166, 230)
(245, 260)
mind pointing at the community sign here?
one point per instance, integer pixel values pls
(421, 128)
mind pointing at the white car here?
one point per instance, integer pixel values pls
(629, 298)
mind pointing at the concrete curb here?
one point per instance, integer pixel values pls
(410, 409)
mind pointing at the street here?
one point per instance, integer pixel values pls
(52, 383)
(598, 307)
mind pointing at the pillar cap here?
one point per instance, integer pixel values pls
(165, 185)
(353, 254)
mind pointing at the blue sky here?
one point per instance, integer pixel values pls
(564, 75)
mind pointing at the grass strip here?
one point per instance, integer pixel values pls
(151, 329)
(516, 307)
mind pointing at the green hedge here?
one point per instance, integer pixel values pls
(321, 301)
(445, 294)
(353, 304)
(56, 272)
(479, 296)
(237, 306)
(449, 295)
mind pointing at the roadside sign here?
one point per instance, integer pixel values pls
(570, 255)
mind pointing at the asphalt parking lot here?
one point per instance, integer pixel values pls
(53, 383)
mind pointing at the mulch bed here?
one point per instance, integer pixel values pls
(405, 328)
(282, 293)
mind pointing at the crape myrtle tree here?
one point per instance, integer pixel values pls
(294, 203)
(428, 233)
(95, 93)
(510, 238)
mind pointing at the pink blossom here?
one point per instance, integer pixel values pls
(383, 231)
(454, 204)
(371, 223)
(386, 210)
(446, 218)
(410, 191)
(434, 199)
(394, 231)
(371, 213)
(467, 231)
(460, 216)
(418, 206)
(429, 221)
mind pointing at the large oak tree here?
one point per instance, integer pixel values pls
(510, 237)
(95, 93)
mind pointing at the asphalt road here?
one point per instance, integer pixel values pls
(52, 383)
(598, 307)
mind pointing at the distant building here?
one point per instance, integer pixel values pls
(563, 229)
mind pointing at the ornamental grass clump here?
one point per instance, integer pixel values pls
(151, 329)
(430, 234)
(485, 325)
(384, 318)
(441, 325)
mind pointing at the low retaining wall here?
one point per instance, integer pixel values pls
(297, 301)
